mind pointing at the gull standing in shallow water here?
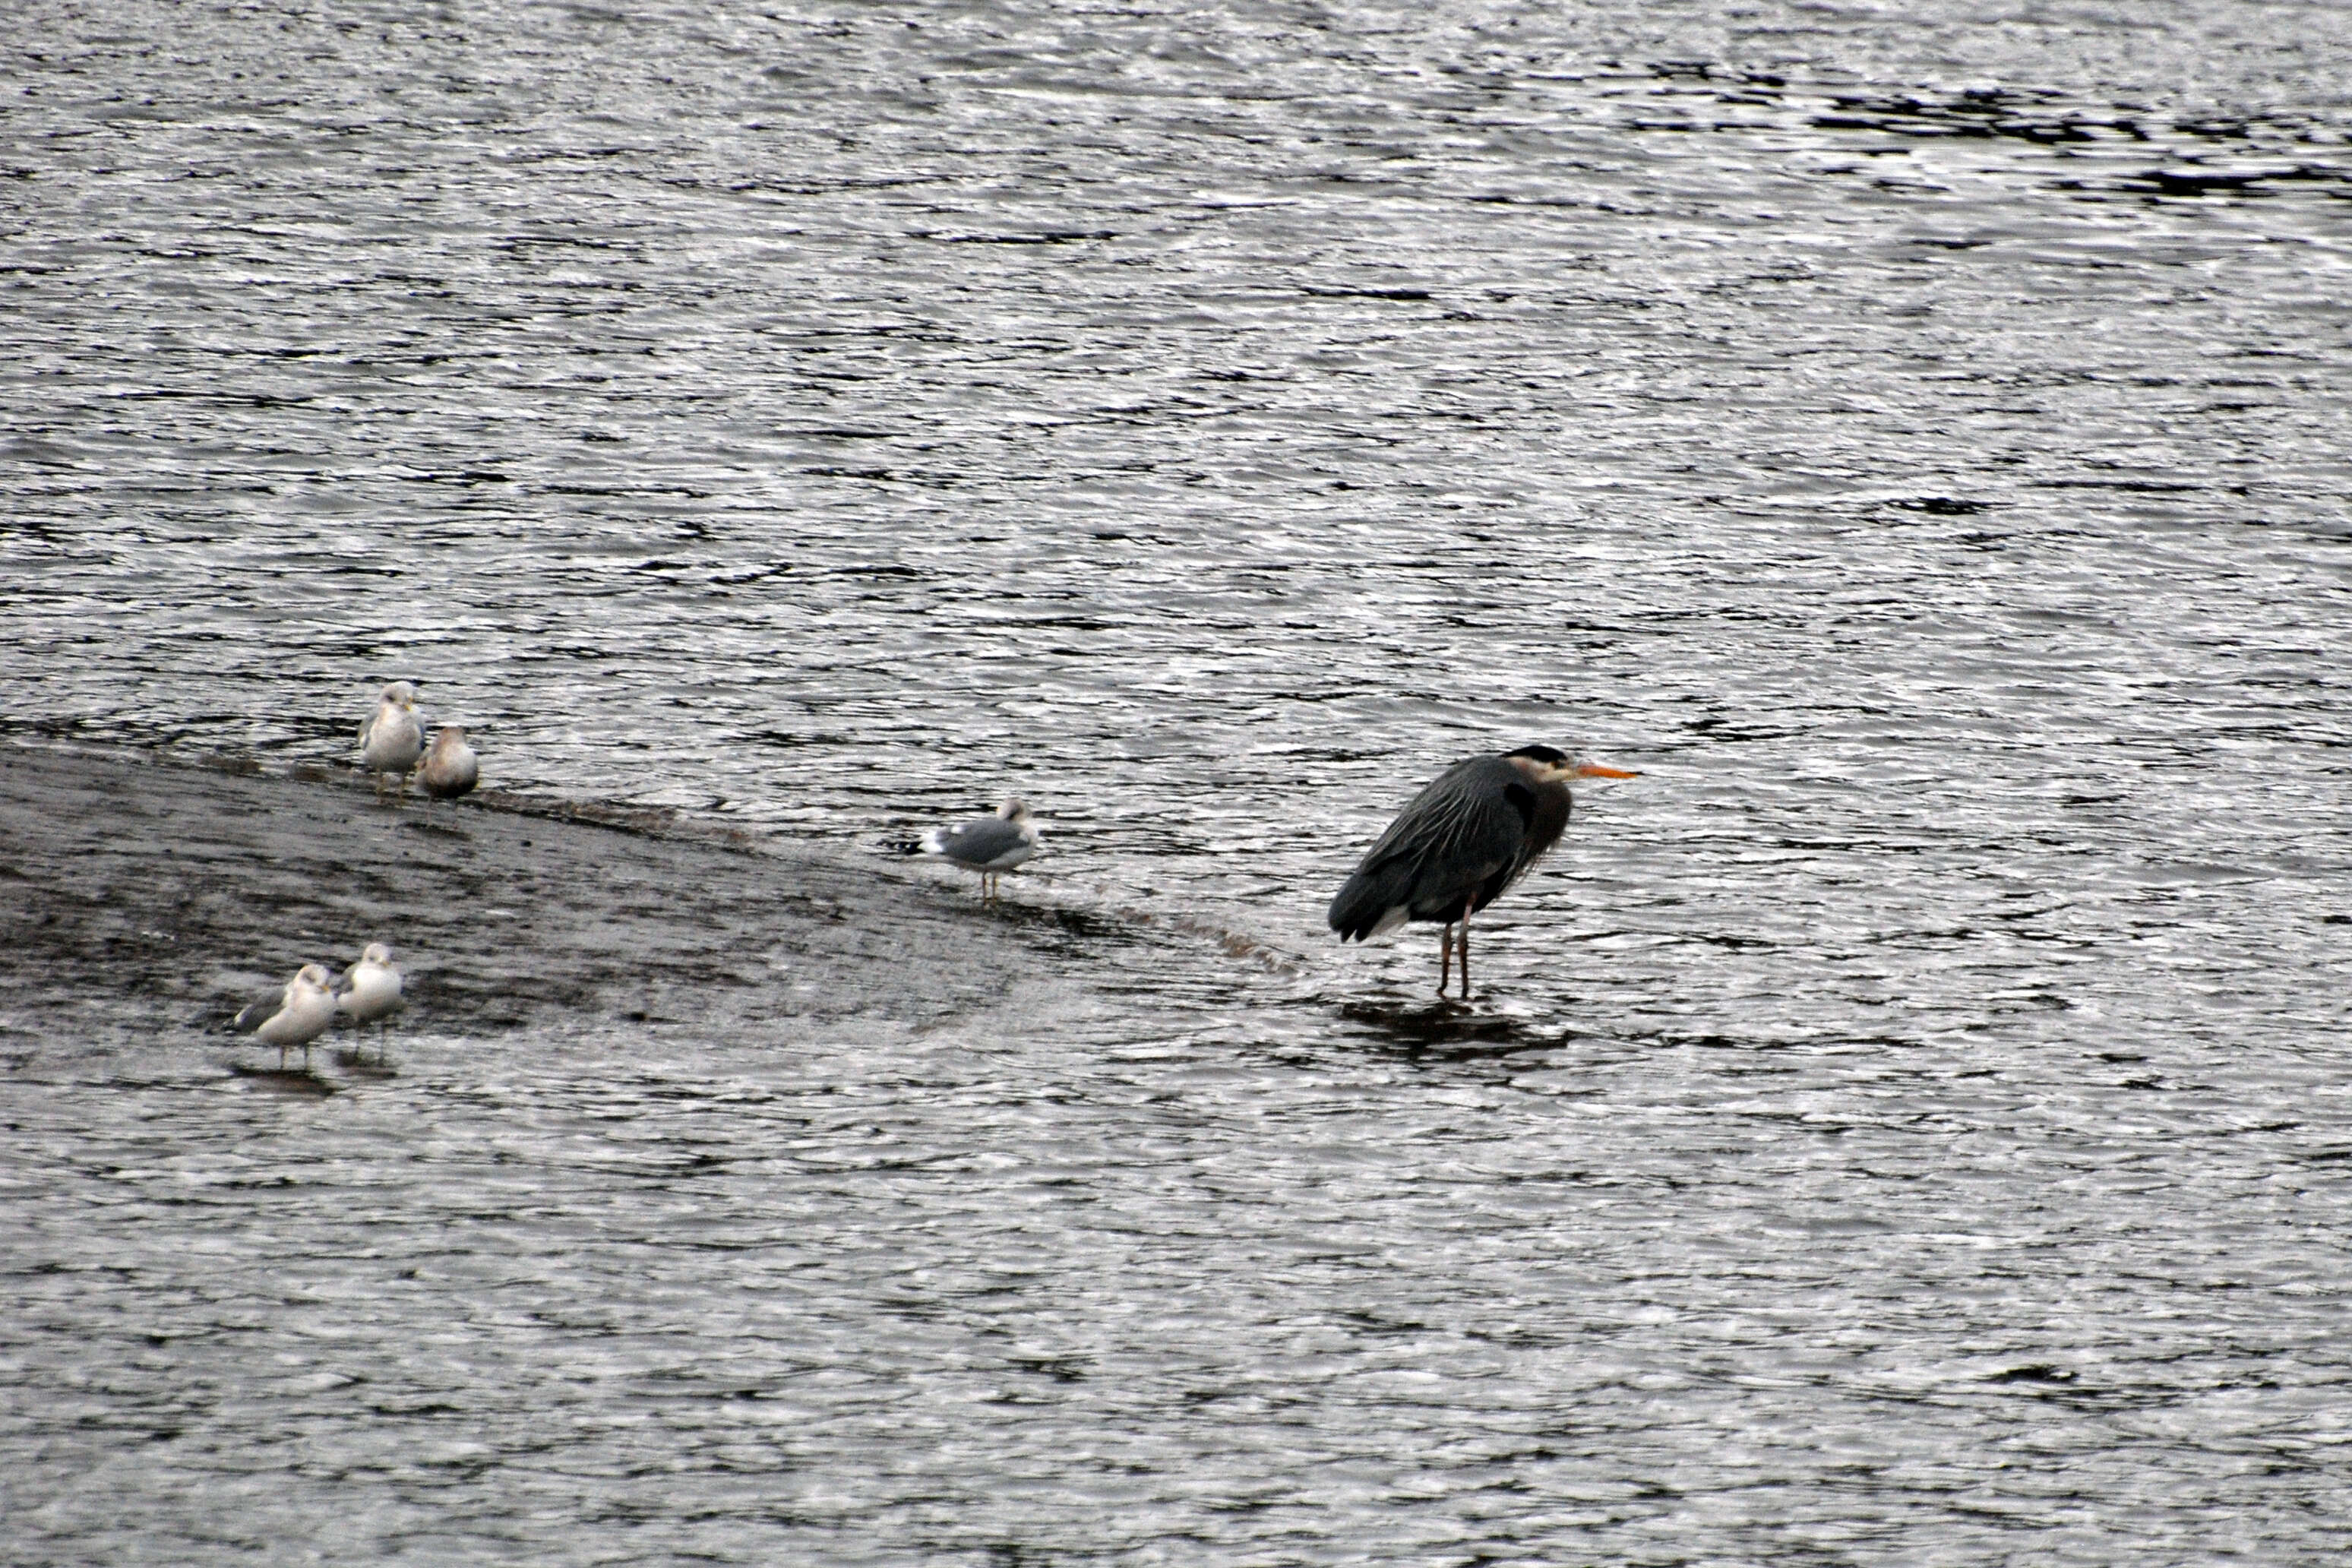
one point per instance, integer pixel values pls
(393, 738)
(451, 767)
(1459, 843)
(370, 992)
(988, 845)
(297, 1018)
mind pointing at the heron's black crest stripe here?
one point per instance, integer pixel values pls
(1538, 753)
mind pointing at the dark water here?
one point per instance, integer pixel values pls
(1908, 1124)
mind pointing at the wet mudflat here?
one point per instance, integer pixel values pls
(191, 888)
(1908, 1124)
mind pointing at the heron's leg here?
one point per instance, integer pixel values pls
(1465, 953)
(1445, 958)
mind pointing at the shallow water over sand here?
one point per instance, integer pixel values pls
(1906, 1122)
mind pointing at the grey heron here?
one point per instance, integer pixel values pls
(1458, 844)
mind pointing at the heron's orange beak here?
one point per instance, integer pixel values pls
(1595, 770)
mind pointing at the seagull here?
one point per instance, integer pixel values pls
(988, 845)
(297, 1018)
(393, 738)
(369, 990)
(451, 767)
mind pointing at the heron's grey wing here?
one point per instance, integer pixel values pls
(1480, 825)
(982, 841)
(1448, 840)
(1363, 903)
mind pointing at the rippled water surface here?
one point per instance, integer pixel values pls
(1909, 1123)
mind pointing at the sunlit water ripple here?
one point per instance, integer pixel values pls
(1902, 1125)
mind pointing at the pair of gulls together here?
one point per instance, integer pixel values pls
(1451, 851)
(369, 992)
(392, 741)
